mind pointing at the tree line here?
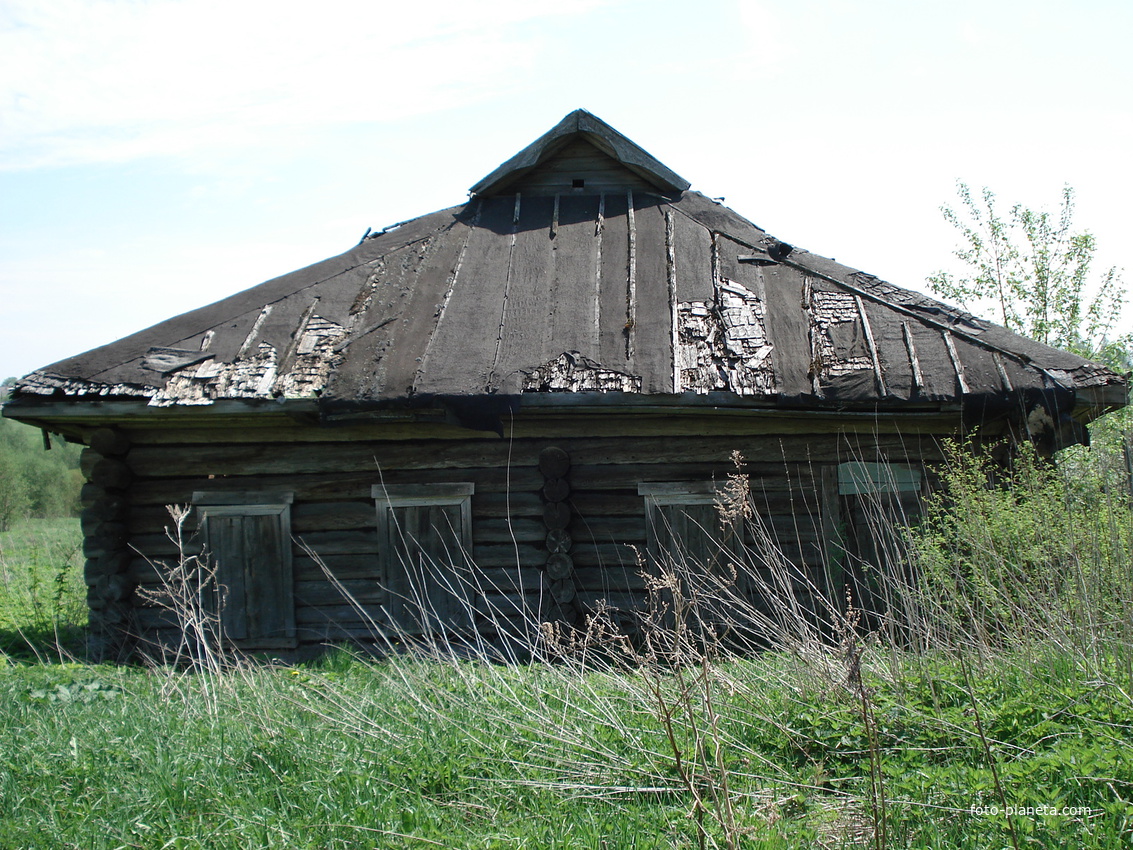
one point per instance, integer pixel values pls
(34, 482)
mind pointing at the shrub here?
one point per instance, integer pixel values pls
(1002, 556)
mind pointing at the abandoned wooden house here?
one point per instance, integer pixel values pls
(511, 404)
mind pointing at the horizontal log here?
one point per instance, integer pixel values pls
(335, 487)
(326, 631)
(605, 519)
(609, 555)
(342, 614)
(158, 545)
(89, 494)
(89, 521)
(325, 543)
(316, 458)
(99, 547)
(342, 567)
(111, 474)
(259, 432)
(87, 459)
(542, 425)
(611, 528)
(307, 518)
(612, 476)
(490, 555)
(498, 530)
(155, 519)
(589, 600)
(509, 609)
(613, 580)
(109, 442)
(332, 516)
(111, 588)
(110, 506)
(109, 536)
(589, 506)
(347, 591)
(733, 424)
(151, 619)
(516, 504)
(144, 572)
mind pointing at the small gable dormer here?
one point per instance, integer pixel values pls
(581, 155)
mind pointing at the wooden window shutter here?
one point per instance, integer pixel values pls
(425, 546)
(247, 539)
(686, 535)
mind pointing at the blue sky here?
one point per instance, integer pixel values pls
(156, 155)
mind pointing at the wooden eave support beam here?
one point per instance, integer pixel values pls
(137, 411)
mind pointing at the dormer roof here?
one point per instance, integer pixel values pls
(578, 131)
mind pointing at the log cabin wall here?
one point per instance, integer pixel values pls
(331, 475)
(640, 332)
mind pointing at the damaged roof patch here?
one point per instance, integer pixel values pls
(571, 372)
(724, 345)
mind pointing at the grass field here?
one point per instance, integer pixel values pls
(42, 595)
(1011, 725)
(411, 753)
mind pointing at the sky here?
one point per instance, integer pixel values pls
(158, 155)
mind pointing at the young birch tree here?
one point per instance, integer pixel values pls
(1031, 271)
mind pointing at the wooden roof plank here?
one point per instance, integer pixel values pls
(615, 278)
(526, 341)
(574, 285)
(652, 335)
(463, 346)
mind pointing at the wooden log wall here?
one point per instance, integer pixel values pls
(106, 537)
(526, 488)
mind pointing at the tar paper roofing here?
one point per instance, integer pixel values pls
(619, 283)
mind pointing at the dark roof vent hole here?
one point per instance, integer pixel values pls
(578, 183)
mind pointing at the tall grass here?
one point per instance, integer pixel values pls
(988, 705)
(42, 594)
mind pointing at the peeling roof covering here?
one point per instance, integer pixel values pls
(626, 292)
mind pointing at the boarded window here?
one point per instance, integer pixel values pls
(687, 536)
(425, 546)
(247, 540)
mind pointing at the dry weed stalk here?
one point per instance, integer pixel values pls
(190, 593)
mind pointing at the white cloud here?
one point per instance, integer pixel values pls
(99, 80)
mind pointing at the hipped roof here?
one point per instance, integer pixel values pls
(657, 292)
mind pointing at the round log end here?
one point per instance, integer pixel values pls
(558, 540)
(560, 566)
(109, 442)
(554, 462)
(556, 489)
(563, 591)
(556, 515)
